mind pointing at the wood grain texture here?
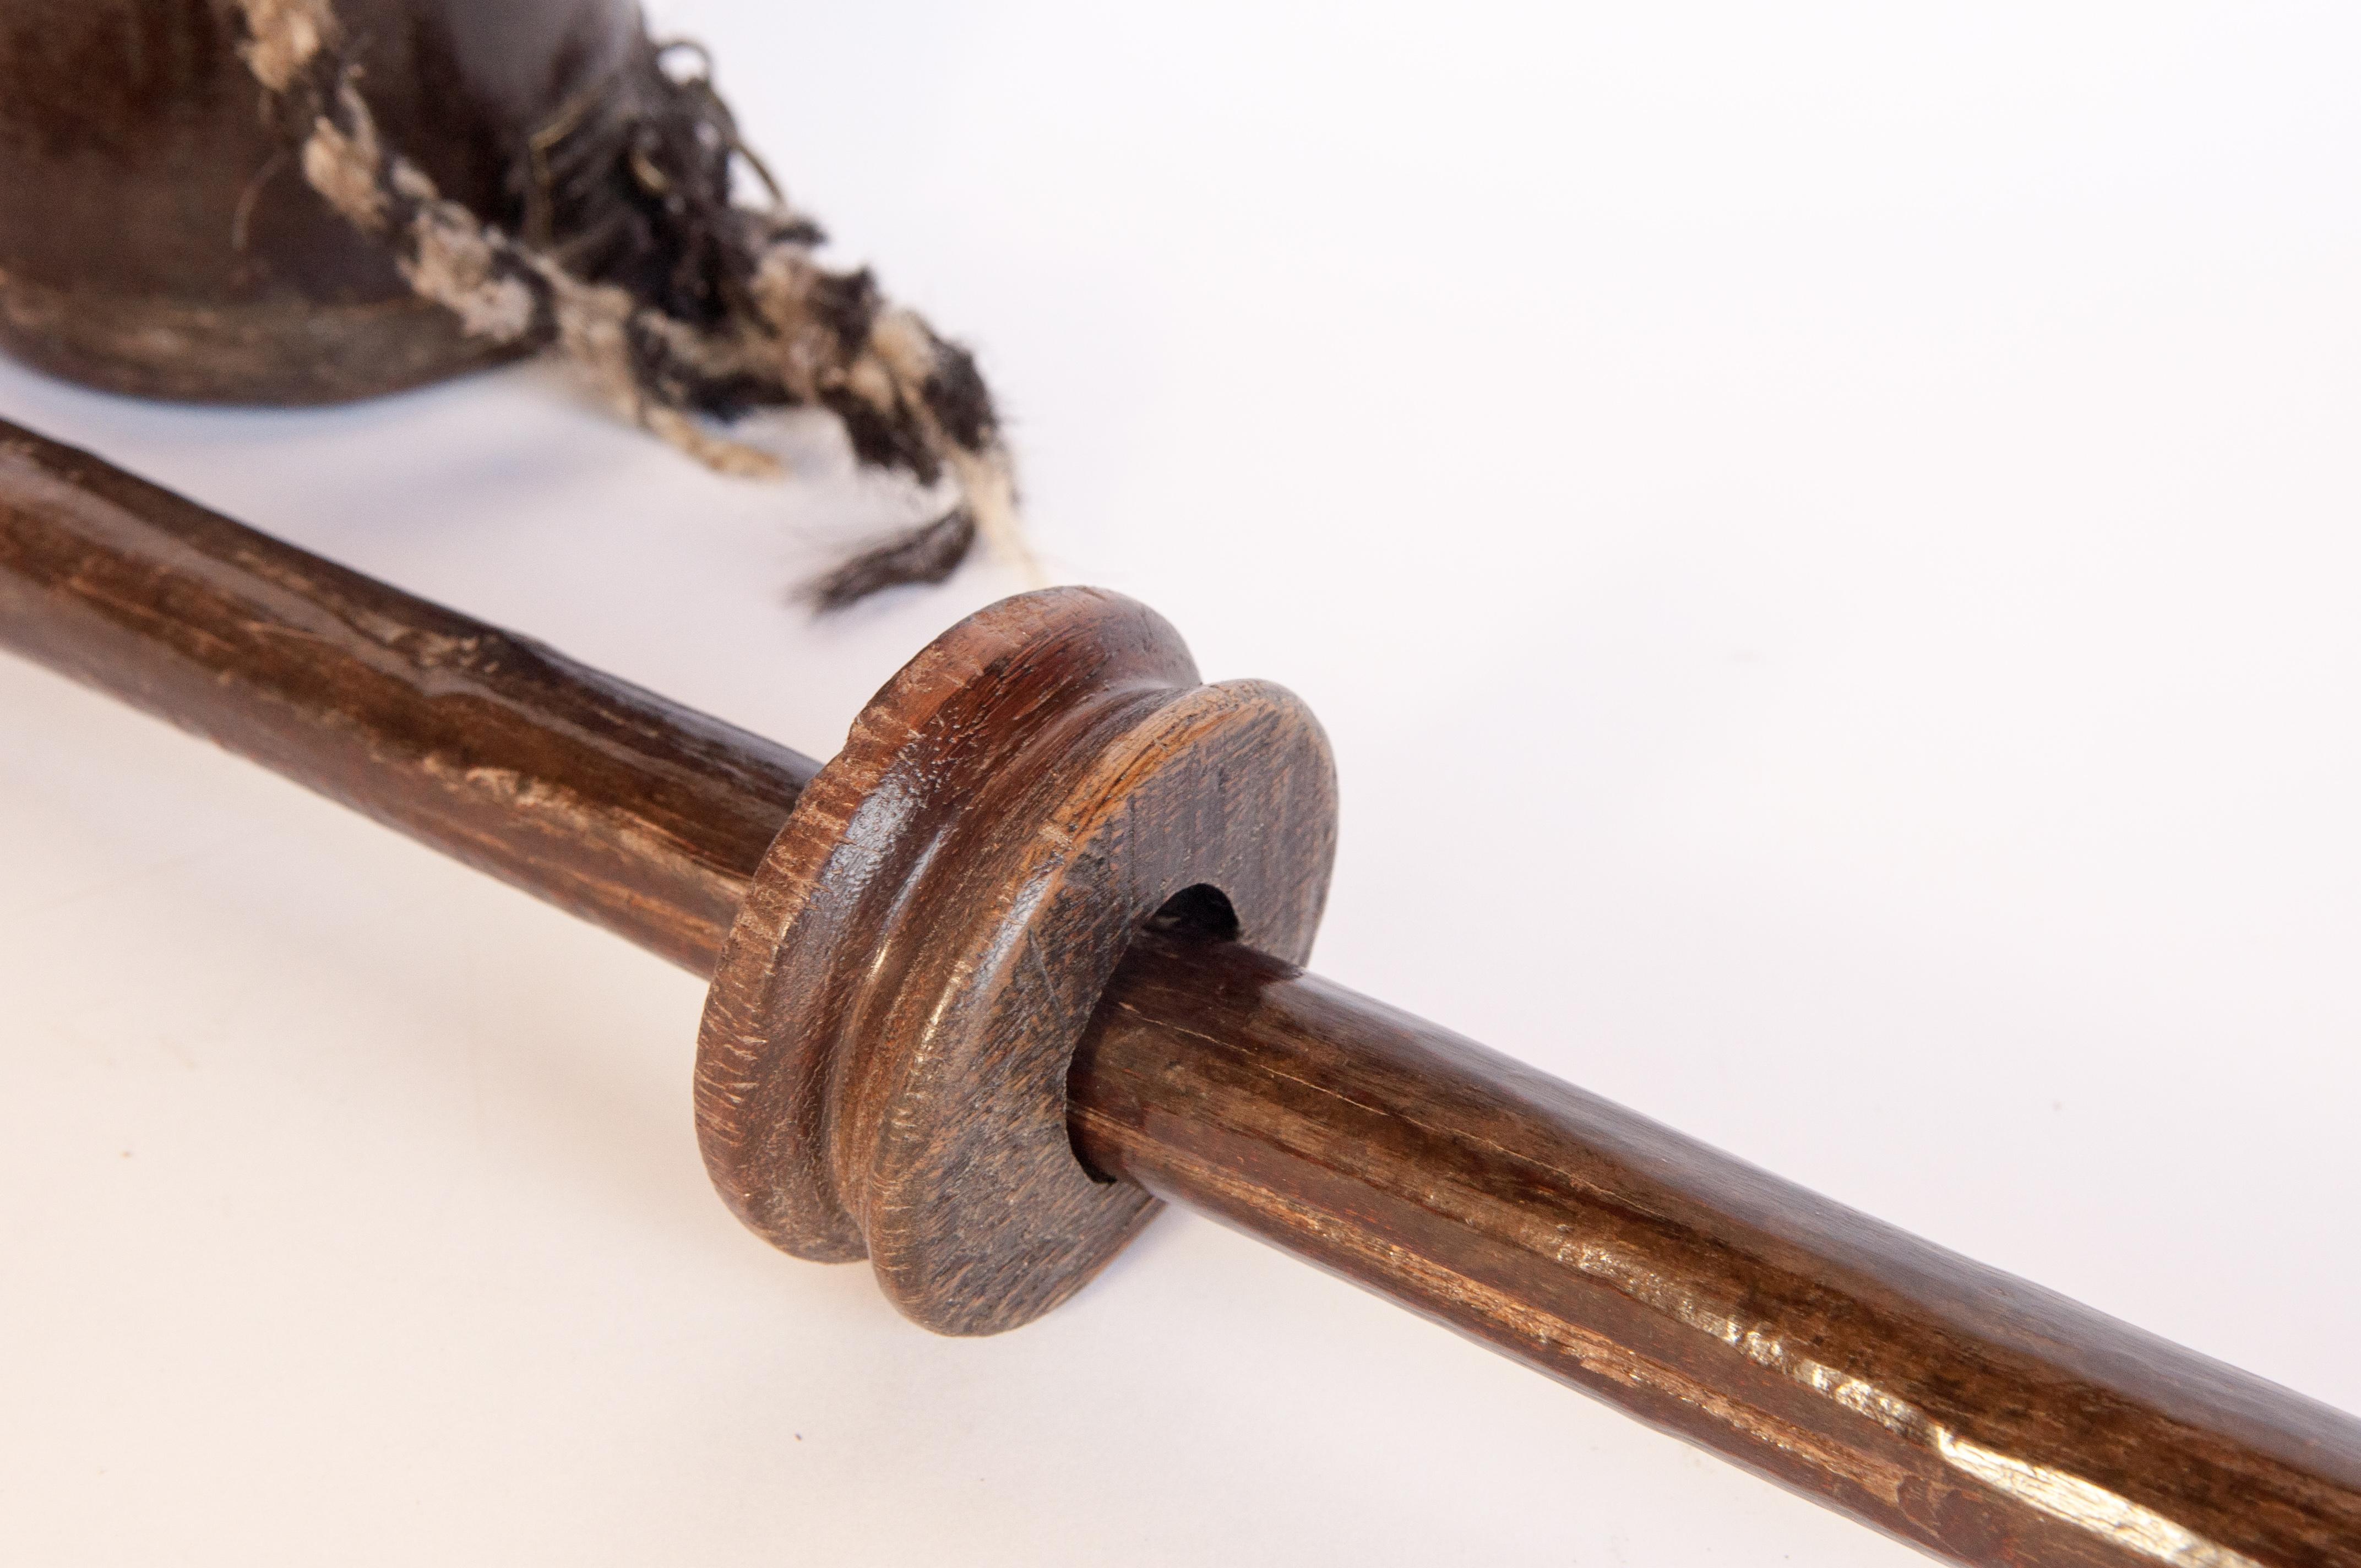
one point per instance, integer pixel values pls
(882, 1067)
(932, 928)
(156, 237)
(605, 799)
(1965, 1412)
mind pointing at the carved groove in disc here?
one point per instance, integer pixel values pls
(882, 1065)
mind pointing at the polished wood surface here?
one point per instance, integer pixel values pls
(624, 808)
(1968, 1412)
(881, 1069)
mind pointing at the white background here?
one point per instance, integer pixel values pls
(1825, 537)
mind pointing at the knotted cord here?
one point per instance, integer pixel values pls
(684, 307)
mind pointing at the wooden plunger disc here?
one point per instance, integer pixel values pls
(882, 1065)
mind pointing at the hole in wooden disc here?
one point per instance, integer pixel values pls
(1203, 911)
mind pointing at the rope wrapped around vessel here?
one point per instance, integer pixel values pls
(685, 308)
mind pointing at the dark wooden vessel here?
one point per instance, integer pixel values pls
(157, 239)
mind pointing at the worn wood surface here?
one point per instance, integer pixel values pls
(881, 1066)
(1968, 1412)
(156, 236)
(627, 809)
(1965, 1412)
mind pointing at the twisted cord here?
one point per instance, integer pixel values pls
(682, 307)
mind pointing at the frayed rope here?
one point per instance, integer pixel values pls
(683, 308)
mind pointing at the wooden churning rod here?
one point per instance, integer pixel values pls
(1021, 961)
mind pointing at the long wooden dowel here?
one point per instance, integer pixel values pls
(637, 813)
(1957, 1407)
(1960, 1409)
